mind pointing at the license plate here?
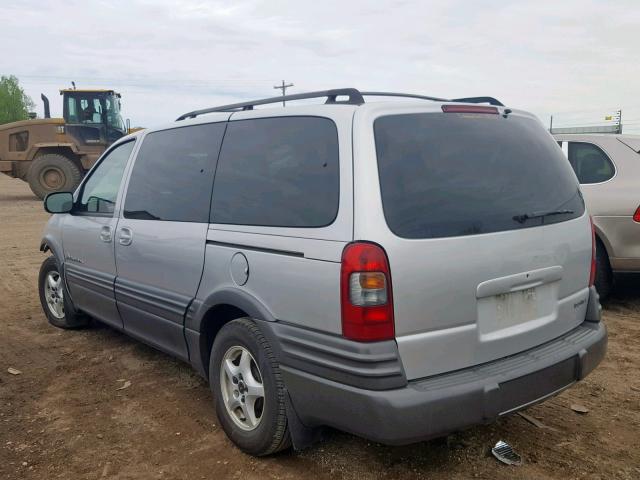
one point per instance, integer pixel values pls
(518, 307)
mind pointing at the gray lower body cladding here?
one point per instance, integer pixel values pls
(446, 403)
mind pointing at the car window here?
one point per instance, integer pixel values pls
(172, 176)
(455, 174)
(281, 172)
(100, 191)
(590, 163)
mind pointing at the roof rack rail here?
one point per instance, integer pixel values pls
(489, 100)
(407, 95)
(355, 97)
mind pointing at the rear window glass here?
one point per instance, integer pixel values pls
(590, 163)
(278, 172)
(454, 174)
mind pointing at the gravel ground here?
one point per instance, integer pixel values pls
(64, 417)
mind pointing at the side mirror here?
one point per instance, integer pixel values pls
(58, 202)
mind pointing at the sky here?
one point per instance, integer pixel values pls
(576, 60)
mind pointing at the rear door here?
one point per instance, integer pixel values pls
(486, 232)
(160, 240)
(90, 267)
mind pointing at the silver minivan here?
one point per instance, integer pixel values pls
(396, 269)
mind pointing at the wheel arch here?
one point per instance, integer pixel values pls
(602, 238)
(66, 149)
(206, 317)
(48, 243)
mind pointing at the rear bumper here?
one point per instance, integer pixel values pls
(450, 402)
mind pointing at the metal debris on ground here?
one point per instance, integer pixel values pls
(503, 452)
(13, 371)
(579, 408)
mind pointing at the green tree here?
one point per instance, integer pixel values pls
(14, 103)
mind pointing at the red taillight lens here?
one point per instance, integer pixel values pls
(636, 216)
(469, 109)
(592, 274)
(365, 291)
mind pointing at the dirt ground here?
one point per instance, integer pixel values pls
(64, 417)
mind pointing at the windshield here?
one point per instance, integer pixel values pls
(94, 109)
(454, 174)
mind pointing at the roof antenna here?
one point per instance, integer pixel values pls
(74, 84)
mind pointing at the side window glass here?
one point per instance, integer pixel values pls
(590, 163)
(173, 173)
(278, 172)
(100, 191)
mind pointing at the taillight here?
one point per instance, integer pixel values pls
(636, 216)
(366, 295)
(592, 274)
(469, 109)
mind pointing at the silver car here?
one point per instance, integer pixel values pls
(395, 269)
(608, 168)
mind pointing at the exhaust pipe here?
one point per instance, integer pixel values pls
(45, 100)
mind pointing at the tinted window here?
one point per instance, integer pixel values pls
(100, 191)
(173, 174)
(278, 172)
(590, 163)
(451, 174)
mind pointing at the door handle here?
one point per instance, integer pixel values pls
(105, 234)
(125, 237)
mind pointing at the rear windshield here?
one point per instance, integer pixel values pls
(453, 174)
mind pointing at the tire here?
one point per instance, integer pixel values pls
(58, 310)
(53, 172)
(604, 275)
(270, 434)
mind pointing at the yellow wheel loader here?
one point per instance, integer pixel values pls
(53, 154)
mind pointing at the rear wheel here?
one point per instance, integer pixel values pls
(604, 275)
(53, 172)
(248, 389)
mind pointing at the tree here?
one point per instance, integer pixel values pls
(14, 103)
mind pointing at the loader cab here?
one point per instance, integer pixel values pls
(93, 116)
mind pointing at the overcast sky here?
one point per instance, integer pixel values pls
(576, 59)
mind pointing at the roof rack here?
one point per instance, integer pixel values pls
(355, 97)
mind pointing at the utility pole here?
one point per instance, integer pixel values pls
(551, 125)
(283, 87)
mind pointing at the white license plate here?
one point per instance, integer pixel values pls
(516, 307)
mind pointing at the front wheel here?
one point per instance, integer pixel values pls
(55, 298)
(248, 389)
(53, 172)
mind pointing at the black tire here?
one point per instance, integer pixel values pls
(604, 275)
(71, 318)
(53, 172)
(271, 434)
